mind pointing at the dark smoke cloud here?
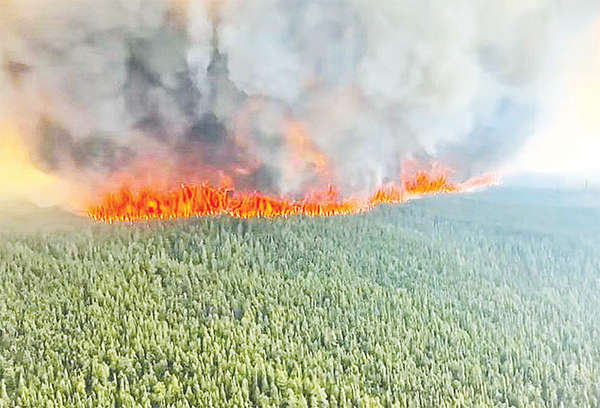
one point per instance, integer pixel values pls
(204, 89)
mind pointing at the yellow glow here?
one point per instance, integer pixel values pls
(19, 179)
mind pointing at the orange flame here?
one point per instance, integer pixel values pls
(206, 200)
(303, 147)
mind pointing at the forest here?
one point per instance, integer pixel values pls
(444, 302)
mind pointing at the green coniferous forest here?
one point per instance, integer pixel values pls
(445, 302)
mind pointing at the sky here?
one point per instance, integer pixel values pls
(566, 139)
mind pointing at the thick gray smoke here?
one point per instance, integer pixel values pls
(261, 90)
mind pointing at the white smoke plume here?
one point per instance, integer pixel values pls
(261, 91)
(377, 80)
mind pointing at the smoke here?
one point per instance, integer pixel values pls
(276, 95)
(454, 79)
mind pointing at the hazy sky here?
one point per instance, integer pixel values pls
(567, 136)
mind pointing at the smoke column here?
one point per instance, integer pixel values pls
(276, 95)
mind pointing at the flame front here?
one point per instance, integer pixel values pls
(206, 200)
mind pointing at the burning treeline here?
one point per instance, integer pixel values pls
(204, 199)
(284, 98)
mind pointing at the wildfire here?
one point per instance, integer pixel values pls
(206, 200)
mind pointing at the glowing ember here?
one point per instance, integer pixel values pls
(204, 199)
